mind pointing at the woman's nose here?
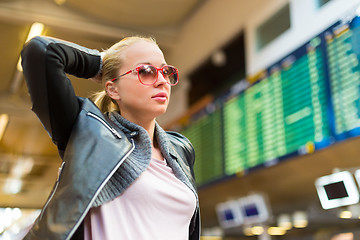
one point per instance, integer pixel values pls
(161, 79)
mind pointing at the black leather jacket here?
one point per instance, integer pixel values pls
(82, 134)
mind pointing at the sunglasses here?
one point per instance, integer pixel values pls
(148, 74)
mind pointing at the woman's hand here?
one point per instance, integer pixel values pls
(98, 77)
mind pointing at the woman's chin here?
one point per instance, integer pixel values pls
(160, 111)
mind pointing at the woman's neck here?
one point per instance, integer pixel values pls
(150, 128)
(147, 124)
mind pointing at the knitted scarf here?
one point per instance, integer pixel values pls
(138, 160)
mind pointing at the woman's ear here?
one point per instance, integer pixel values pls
(112, 90)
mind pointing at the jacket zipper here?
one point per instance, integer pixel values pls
(48, 201)
(99, 189)
(112, 130)
(53, 192)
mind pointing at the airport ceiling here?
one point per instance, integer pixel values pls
(27, 154)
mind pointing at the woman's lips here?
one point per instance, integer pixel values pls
(160, 96)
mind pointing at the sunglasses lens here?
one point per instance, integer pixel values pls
(170, 74)
(147, 74)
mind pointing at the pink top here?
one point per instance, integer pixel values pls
(156, 206)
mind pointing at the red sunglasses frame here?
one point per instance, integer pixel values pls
(157, 74)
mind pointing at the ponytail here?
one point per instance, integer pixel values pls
(104, 102)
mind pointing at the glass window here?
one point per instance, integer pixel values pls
(273, 27)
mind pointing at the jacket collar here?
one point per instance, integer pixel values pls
(170, 145)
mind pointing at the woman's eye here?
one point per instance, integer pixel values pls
(146, 72)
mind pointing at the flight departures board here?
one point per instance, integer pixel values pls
(306, 101)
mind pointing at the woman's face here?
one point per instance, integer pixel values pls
(138, 102)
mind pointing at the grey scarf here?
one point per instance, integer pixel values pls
(138, 160)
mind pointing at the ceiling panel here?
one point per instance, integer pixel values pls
(136, 13)
(12, 36)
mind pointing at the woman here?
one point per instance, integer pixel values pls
(123, 176)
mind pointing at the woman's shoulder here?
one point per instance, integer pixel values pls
(178, 137)
(180, 140)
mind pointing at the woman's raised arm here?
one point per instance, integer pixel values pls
(46, 61)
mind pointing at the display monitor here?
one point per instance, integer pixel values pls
(228, 214)
(254, 209)
(336, 190)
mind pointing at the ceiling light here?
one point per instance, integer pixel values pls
(218, 58)
(4, 120)
(7, 217)
(35, 30)
(12, 186)
(343, 236)
(59, 2)
(22, 167)
(345, 214)
(211, 238)
(276, 231)
(247, 231)
(16, 213)
(284, 221)
(257, 230)
(13, 183)
(300, 219)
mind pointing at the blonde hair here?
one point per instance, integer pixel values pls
(112, 60)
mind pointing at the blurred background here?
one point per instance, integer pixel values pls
(269, 95)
